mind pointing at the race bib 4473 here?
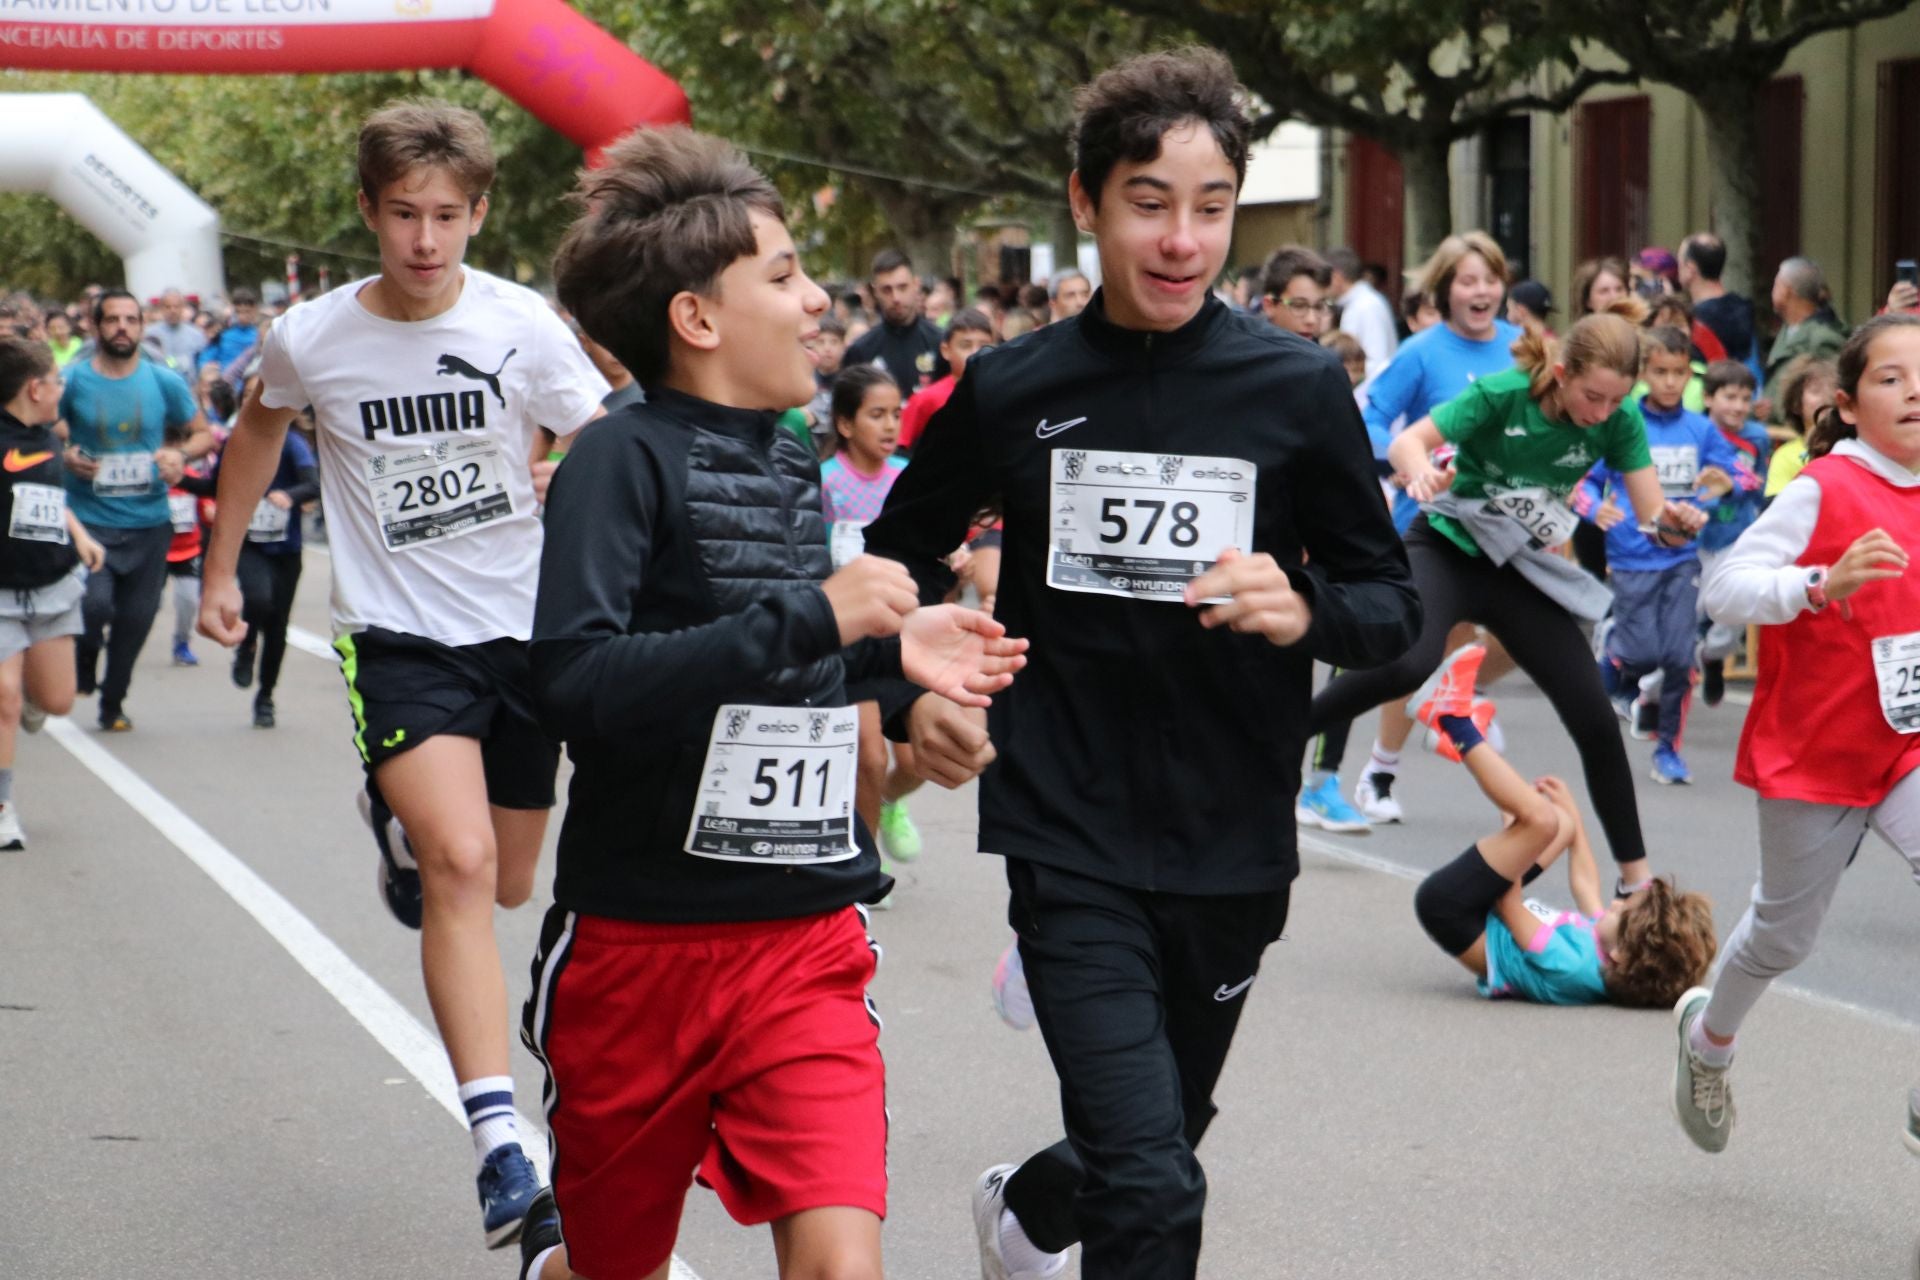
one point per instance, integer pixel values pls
(1143, 525)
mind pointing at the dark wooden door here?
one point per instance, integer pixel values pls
(1612, 193)
(1376, 207)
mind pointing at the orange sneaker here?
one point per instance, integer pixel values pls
(1482, 715)
(1449, 692)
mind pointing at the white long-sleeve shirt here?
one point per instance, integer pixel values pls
(1369, 318)
(1756, 580)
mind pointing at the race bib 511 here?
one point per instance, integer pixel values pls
(777, 786)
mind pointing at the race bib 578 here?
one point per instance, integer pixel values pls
(1143, 525)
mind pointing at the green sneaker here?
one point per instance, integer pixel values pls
(898, 836)
(1911, 1134)
(1702, 1098)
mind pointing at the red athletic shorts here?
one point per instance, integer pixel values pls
(745, 1054)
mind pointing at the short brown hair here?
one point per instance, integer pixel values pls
(665, 214)
(1344, 345)
(1127, 109)
(21, 361)
(1666, 945)
(403, 137)
(1291, 260)
(1436, 278)
(1728, 373)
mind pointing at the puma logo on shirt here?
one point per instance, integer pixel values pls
(455, 365)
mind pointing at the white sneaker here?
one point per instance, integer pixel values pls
(1373, 796)
(11, 836)
(32, 718)
(989, 1203)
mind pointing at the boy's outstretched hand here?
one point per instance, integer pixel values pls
(960, 654)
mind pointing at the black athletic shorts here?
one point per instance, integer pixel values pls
(405, 689)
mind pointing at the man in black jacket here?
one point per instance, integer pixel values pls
(700, 991)
(1191, 518)
(905, 343)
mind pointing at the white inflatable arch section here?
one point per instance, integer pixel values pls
(62, 146)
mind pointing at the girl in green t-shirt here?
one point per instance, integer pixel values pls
(1523, 440)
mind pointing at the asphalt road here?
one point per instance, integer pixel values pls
(217, 1057)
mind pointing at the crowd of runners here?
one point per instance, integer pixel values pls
(1084, 545)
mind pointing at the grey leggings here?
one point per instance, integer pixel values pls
(1803, 850)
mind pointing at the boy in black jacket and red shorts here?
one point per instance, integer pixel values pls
(699, 996)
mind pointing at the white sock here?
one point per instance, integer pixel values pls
(489, 1104)
(539, 1266)
(1022, 1254)
(1713, 1055)
(1383, 760)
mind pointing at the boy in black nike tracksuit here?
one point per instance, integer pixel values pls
(1191, 519)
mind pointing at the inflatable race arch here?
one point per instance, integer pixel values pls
(61, 145)
(568, 72)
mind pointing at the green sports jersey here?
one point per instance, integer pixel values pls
(1505, 443)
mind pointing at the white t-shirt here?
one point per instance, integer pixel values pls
(426, 428)
(1369, 318)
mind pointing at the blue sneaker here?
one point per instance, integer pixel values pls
(1324, 807)
(508, 1186)
(399, 876)
(1669, 770)
(183, 656)
(539, 1232)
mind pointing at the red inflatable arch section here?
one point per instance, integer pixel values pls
(542, 53)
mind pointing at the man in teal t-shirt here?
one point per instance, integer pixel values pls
(123, 414)
(1512, 454)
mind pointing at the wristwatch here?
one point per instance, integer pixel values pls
(1817, 587)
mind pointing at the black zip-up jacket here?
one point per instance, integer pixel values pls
(684, 554)
(32, 457)
(1136, 746)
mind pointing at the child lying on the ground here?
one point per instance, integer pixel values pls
(1644, 949)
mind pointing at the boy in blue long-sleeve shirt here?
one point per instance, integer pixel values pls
(1729, 400)
(1656, 589)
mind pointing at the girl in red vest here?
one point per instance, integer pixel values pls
(1832, 742)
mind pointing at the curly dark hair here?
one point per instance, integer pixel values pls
(1666, 945)
(1122, 115)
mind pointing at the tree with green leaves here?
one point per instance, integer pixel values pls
(1415, 75)
(929, 109)
(275, 156)
(1721, 53)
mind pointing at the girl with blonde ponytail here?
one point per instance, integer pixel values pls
(1525, 438)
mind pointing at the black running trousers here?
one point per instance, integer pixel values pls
(1544, 640)
(1138, 995)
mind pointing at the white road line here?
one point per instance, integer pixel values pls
(1833, 1004)
(307, 642)
(387, 1020)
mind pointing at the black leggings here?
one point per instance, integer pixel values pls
(1543, 639)
(267, 584)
